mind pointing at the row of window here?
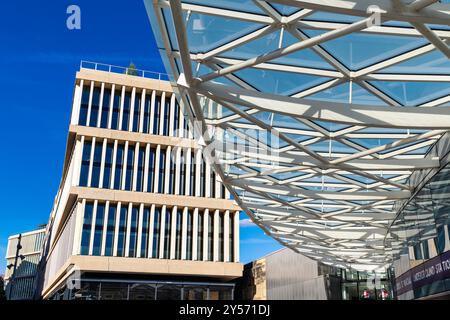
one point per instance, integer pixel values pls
(116, 108)
(422, 249)
(112, 230)
(122, 172)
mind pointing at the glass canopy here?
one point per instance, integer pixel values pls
(314, 113)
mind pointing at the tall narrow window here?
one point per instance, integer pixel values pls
(136, 112)
(156, 112)
(156, 229)
(210, 236)
(85, 163)
(202, 178)
(140, 170)
(82, 120)
(151, 170)
(166, 118)
(108, 165)
(230, 237)
(116, 109)
(95, 106)
(122, 231)
(167, 235)
(182, 176)
(129, 173)
(212, 182)
(221, 237)
(144, 232)
(176, 120)
(171, 172)
(162, 165)
(147, 106)
(133, 231)
(99, 218)
(200, 236)
(105, 108)
(110, 230)
(96, 165)
(119, 165)
(126, 111)
(192, 175)
(189, 235)
(87, 224)
(178, 234)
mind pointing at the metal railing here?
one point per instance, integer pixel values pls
(124, 70)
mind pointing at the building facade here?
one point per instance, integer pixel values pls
(139, 213)
(288, 275)
(20, 275)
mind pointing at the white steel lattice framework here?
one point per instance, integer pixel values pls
(354, 94)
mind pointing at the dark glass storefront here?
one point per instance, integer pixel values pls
(357, 285)
(122, 289)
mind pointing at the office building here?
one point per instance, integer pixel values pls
(139, 213)
(22, 259)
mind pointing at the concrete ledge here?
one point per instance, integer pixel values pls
(169, 200)
(133, 137)
(124, 80)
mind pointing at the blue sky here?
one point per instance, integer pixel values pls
(38, 60)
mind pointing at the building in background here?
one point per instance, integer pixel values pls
(419, 236)
(288, 275)
(21, 283)
(139, 213)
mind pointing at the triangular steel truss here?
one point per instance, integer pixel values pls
(330, 106)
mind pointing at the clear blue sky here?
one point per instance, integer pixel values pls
(38, 60)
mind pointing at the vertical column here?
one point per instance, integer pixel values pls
(122, 102)
(76, 103)
(135, 166)
(198, 162)
(150, 232)
(216, 236)
(142, 111)
(102, 164)
(146, 165)
(111, 104)
(226, 236)
(236, 237)
(184, 234)
(105, 228)
(162, 110)
(124, 165)
(78, 227)
(207, 180)
(167, 169)
(187, 171)
(113, 168)
(162, 232)
(181, 133)
(173, 232)
(172, 115)
(131, 117)
(195, 235)
(152, 112)
(91, 162)
(177, 176)
(91, 92)
(128, 232)
(432, 248)
(116, 231)
(78, 154)
(94, 218)
(157, 153)
(205, 234)
(139, 230)
(100, 105)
